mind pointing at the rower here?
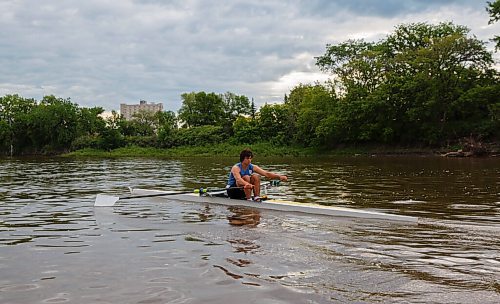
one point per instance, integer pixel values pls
(244, 178)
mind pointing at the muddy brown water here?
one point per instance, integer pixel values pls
(55, 247)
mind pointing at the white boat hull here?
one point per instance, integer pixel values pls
(280, 205)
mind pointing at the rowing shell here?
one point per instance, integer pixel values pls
(280, 205)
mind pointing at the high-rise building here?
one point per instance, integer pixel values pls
(128, 110)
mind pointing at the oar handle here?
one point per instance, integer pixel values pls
(274, 183)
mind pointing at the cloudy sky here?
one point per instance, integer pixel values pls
(107, 52)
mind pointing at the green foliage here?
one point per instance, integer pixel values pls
(201, 109)
(143, 123)
(198, 136)
(476, 113)
(85, 141)
(5, 135)
(115, 120)
(275, 125)
(253, 109)
(234, 106)
(142, 141)
(53, 124)
(111, 139)
(166, 138)
(408, 87)
(224, 149)
(14, 113)
(50, 126)
(166, 120)
(13, 105)
(89, 121)
(422, 85)
(308, 106)
(493, 10)
(246, 131)
(358, 66)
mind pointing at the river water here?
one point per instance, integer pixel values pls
(55, 247)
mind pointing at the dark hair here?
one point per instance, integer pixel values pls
(245, 153)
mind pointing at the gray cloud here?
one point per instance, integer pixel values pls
(385, 8)
(107, 52)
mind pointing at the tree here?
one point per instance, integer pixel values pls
(14, 111)
(5, 136)
(201, 109)
(234, 107)
(166, 120)
(90, 122)
(433, 65)
(144, 123)
(167, 123)
(13, 105)
(114, 120)
(110, 139)
(358, 67)
(272, 123)
(246, 130)
(198, 136)
(493, 9)
(401, 88)
(53, 124)
(253, 109)
(307, 106)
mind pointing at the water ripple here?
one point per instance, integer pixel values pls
(157, 250)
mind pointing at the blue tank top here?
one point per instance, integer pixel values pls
(232, 181)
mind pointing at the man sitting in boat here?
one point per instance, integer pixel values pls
(244, 177)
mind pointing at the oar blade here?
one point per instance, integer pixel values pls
(103, 200)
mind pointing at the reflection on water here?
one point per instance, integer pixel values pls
(242, 216)
(55, 247)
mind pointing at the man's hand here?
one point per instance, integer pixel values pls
(283, 178)
(248, 186)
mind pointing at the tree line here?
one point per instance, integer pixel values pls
(423, 84)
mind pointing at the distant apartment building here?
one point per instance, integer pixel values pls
(129, 110)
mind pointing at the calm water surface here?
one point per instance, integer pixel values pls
(55, 247)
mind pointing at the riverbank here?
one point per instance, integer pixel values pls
(260, 149)
(223, 149)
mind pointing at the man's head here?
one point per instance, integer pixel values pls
(247, 153)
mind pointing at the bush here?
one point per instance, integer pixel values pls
(141, 141)
(246, 131)
(111, 139)
(166, 138)
(198, 136)
(85, 141)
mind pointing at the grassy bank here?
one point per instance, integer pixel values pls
(223, 149)
(259, 149)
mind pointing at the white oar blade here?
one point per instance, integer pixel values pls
(103, 200)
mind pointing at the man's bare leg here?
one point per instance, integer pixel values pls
(248, 192)
(255, 181)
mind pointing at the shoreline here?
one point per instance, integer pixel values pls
(269, 150)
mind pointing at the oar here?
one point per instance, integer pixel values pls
(103, 200)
